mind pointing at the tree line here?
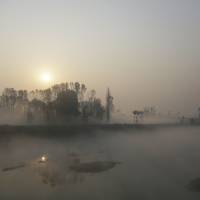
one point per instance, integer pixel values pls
(58, 103)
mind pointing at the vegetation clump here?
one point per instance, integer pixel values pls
(65, 102)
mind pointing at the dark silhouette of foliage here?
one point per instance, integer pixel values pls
(109, 105)
(138, 115)
(61, 101)
(66, 103)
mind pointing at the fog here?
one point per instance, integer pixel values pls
(156, 163)
(147, 52)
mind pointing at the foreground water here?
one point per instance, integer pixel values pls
(161, 163)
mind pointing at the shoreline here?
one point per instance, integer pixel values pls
(83, 128)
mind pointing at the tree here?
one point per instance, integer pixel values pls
(83, 91)
(138, 115)
(98, 109)
(91, 95)
(77, 87)
(10, 97)
(36, 108)
(67, 103)
(46, 95)
(109, 105)
(61, 100)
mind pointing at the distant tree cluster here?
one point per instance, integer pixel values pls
(149, 111)
(138, 115)
(60, 102)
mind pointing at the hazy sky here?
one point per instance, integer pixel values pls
(146, 51)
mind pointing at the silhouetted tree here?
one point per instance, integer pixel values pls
(60, 101)
(98, 109)
(77, 87)
(47, 95)
(9, 97)
(37, 105)
(67, 103)
(138, 115)
(109, 105)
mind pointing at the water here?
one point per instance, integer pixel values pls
(135, 164)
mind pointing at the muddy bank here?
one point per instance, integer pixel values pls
(80, 128)
(13, 167)
(70, 170)
(93, 167)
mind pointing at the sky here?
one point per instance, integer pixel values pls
(146, 51)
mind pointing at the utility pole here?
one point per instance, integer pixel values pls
(109, 102)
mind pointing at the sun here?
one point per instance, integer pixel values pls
(46, 77)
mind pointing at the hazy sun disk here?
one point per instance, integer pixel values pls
(46, 77)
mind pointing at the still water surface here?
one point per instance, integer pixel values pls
(137, 164)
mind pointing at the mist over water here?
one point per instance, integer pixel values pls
(99, 100)
(158, 163)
